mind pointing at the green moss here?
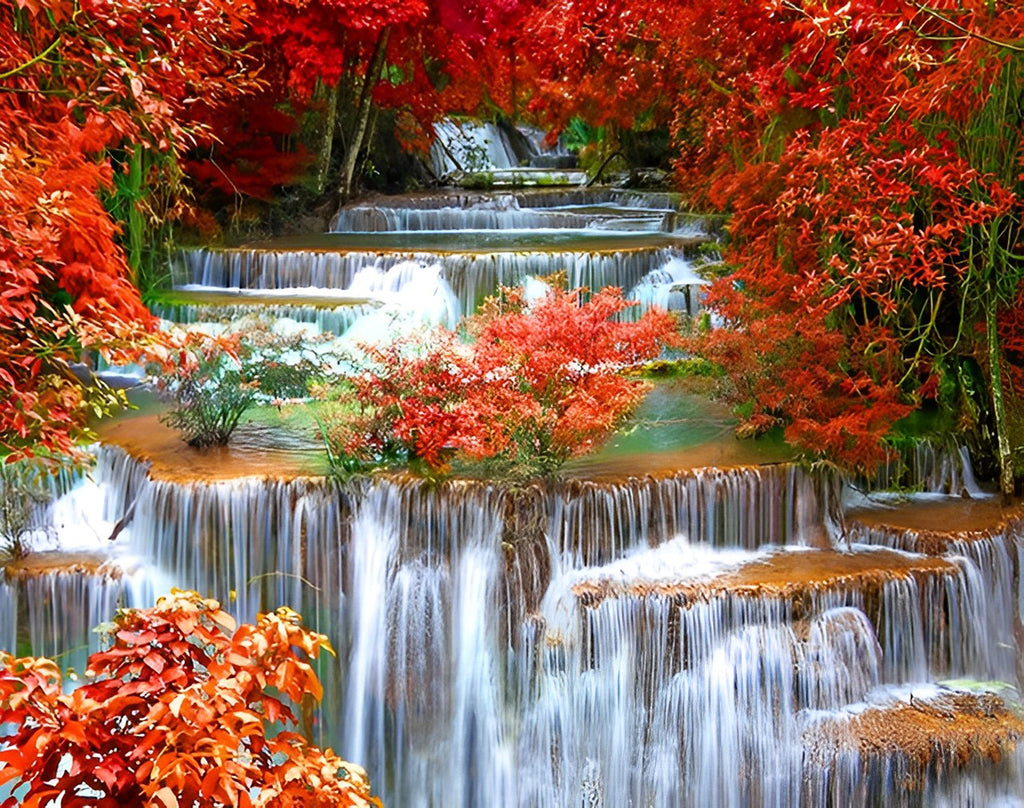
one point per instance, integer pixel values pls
(690, 367)
(478, 180)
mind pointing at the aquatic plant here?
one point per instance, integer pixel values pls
(538, 384)
(178, 711)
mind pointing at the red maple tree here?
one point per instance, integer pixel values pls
(89, 88)
(864, 198)
(869, 153)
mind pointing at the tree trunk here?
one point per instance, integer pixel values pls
(136, 230)
(371, 133)
(995, 368)
(330, 122)
(373, 72)
(512, 79)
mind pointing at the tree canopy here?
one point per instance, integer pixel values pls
(868, 154)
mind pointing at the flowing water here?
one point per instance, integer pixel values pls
(683, 620)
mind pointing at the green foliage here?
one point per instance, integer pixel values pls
(336, 410)
(146, 197)
(580, 134)
(22, 493)
(212, 382)
(211, 395)
(478, 180)
(690, 367)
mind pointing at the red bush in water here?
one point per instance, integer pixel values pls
(539, 384)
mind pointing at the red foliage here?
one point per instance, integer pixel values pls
(846, 236)
(605, 62)
(85, 81)
(1011, 340)
(842, 137)
(176, 713)
(442, 57)
(251, 152)
(64, 286)
(838, 137)
(540, 383)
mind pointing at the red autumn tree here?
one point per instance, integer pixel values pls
(97, 102)
(604, 62)
(540, 383)
(870, 155)
(832, 310)
(176, 713)
(422, 59)
(871, 160)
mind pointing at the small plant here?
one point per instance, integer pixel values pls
(213, 381)
(22, 493)
(478, 180)
(211, 394)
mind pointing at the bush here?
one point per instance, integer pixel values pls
(538, 384)
(182, 709)
(22, 494)
(213, 381)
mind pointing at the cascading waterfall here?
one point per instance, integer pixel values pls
(551, 197)
(334, 320)
(476, 668)
(476, 146)
(374, 219)
(57, 610)
(672, 287)
(736, 637)
(720, 683)
(927, 467)
(746, 507)
(991, 555)
(74, 575)
(454, 249)
(472, 276)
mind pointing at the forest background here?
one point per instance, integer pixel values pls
(868, 155)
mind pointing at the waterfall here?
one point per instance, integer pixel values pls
(473, 146)
(58, 608)
(746, 636)
(925, 466)
(377, 219)
(334, 320)
(731, 507)
(632, 642)
(472, 276)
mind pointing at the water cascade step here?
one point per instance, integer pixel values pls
(471, 275)
(334, 313)
(499, 154)
(454, 250)
(922, 747)
(923, 609)
(628, 642)
(54, 600)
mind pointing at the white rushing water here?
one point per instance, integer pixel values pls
(470, 672)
